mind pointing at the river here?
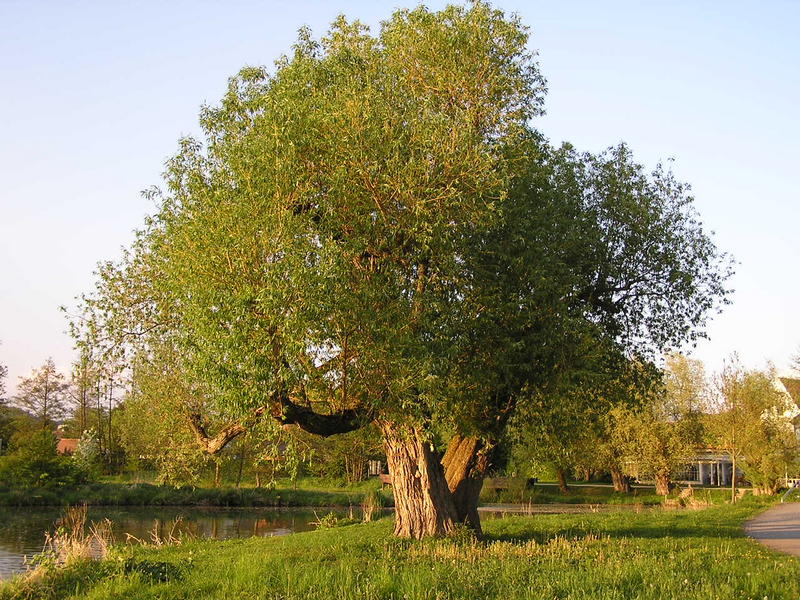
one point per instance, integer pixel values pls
(23, 529)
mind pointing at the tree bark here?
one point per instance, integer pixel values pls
(466, 462)
(562, 481)
(662, 484)
(622, 482)
(423, 502)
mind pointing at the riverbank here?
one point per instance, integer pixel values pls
(681, 554)
(314, 493)
(145, 494)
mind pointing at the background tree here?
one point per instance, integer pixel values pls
(5, 416)
(83, 387)
(686, 386)
(616, 445)
(344, 456)
(43, 395)
(662, 445)
(3, 375)
(754, 426)
(155, 430)
(576, 424)
(660, 437)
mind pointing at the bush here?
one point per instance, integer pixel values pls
(35, 463)
(87, 457)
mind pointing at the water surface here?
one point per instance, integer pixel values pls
(23, 529)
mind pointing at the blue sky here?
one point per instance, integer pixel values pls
(95, 96)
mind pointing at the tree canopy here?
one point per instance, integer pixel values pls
(373, 231)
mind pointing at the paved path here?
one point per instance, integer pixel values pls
(778, 528)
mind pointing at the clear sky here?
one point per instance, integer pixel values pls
(95, 95)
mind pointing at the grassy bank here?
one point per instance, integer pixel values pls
(670, 554)
(145, 494)
(307, 491)
(548, 493)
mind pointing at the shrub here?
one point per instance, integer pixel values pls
(36, 463)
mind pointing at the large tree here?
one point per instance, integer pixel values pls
(373, 233)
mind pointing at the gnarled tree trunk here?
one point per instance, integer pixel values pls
(423, 502)
(622, 483)
(465, 464)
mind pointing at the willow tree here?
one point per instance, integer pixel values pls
(372, 232)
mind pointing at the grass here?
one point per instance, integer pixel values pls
(588, 494)
(612, 556)
(307, 491)
(145, 494)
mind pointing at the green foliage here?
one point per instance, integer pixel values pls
(573, 425)
(13, 421)
(344, 456)
(87, 456)
(154, 428)
(755, 425)
(328, 207)
(375, 225)
(34, 462)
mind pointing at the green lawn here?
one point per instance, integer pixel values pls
(548, 493)
(679, 554)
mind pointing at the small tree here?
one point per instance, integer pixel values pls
(662, 447)
(87, 456)
(43, 394)
(754, 426)
(84, 381)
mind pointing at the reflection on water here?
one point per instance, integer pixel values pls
(23, 529)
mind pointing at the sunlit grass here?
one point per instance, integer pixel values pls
(679, 554)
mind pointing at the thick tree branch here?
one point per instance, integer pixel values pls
(215, 444)
(287, 412)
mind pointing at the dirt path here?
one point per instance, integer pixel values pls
(778, 528)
